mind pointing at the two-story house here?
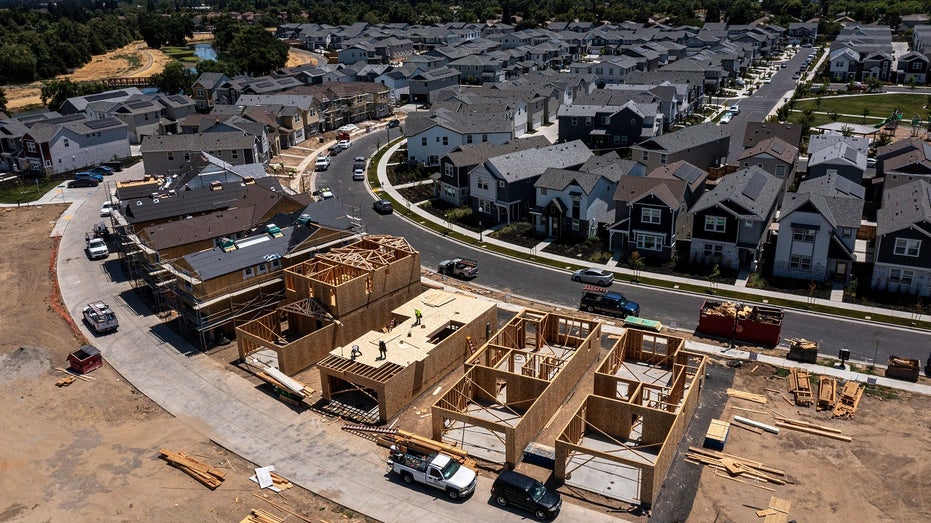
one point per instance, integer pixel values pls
(840, 158)
(844, 63)
(167, 155)
(206, 90)
(912, 67)
(66, 143)
(731, 222)
(579, 204)
(704, 145)
(456, 165)
(424, 86)
(903, 240)
(652, 211)
(502, 188)
(774, 156)
(608, 127)
(432, 134)
(818, 229)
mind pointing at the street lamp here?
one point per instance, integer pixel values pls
(446, 219)
(480, 231)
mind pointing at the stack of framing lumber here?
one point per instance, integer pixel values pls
(827, 392)
(849, 400)
(260, 516)
(811, 428)
(734, 393)
(798, 383)
(736, 466)
(212, 477)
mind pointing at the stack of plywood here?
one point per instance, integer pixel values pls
(749, 396)
(799, 383)
(849, 400)
(212, 477)
(827, 392)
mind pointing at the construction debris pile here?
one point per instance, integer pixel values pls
(737, 468)
(211, 477)
(903, 368)
(802, 350)
(799, 383)
(849, 400)
(728, 309)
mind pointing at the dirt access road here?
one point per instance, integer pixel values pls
(89, 451)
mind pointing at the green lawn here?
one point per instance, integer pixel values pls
(880, 106)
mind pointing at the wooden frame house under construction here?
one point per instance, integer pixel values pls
(332, 299)
(515, 383)
(417, 354)
(626, 433)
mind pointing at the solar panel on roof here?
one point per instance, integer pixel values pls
(104, 96)
(850, 153)
(263, 84)
(754, 186)
(136, 104)
(778, 146)
(100, 124)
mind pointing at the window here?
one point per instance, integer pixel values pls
(423, 141)
(803, 234)
(542, 191)
(650, 215)
(846, 232)
(501, 184)
(606, 120)
(66, 142)
(468, 138)
(235, 153)
(445, 140)
(276, 264)
(646, 156)
(484, 137)
(917, 66)
(649, 242)
(715, 223)
(633, 121)
(780, 170)
(574, 121)
(187, 155)
(901, 276)
(483, 184)
(713, 251)
(263, 268)
(448, 170)
(437, 139)
(800, 263)
(171, 156)
(484, 206)
(662, 159)
(31, 146)
(907, 247)
(624, 140)
(575, 225)
(588, 121)
(248, 272)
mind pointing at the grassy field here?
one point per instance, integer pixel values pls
(880, 106)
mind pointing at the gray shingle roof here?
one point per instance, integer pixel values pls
(840, 153)
(749, 193)
(525, 164)
(904, 206)
(686, 138)
(476, 153)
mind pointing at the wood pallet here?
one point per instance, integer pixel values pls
(849, 400)
(210, 476)
(258, 515)
(798, 382)
(827, 393)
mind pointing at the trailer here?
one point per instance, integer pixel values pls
(754, 324)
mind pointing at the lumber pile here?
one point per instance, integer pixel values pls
(799, 383)
(849, 400)
(827, 393)
(210, 476)
(811, 428)
(728, 309)
(777, 512)
(903, 368)
(258, 515)
(802, 350)
(749, 396)
(736, 467)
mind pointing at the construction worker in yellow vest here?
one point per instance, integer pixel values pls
(418, 315)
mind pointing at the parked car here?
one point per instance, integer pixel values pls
(344, 144)
(333, 150)
(459, 267)
(106, 209)
(437, 470)
(726, 118)
(609, 303)
(87, 174)
(100, 317)
(83, 182)
(101, 170)
(514, 488)
(593, 275)
(358, 169)
(393, 123)
(322, 163)
(382, 207)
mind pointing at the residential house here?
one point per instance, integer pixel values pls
(840, 158)
(903, 249)
(456, 165)
(912, 67)
(578, 204)
(731, 222)
(818, 230)
(844, 64)
(66, 143)
(432, 134)
(11, 142)
(609, 126)
(169, 155)
(502, 187)
(424, 86)
(296, 116)
(790, 133)
(704, 145)
(78, 104)
(206, 90)
(774, 156)
(652, 211)
(800, 33)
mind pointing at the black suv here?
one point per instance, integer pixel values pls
(514, 488)
(83, 182)
(609, 303)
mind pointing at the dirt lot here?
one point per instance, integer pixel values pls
(89, 451)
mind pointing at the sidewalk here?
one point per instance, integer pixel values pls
(538, 252)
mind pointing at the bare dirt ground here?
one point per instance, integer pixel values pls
(89, 451)
(876, 477)
(135, 59)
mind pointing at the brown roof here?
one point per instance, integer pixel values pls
(775, 147)
(758, 131)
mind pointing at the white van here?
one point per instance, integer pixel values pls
(322, 163)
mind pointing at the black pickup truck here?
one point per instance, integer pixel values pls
(610, 304)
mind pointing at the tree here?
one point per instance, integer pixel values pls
(846, 131)
(255, 51)
(17, 64)
(3, 100)
(874, 85)
(866, 112)
(741, 12)
(174, 79)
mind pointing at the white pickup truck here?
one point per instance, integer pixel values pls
(96, 248)
(434, 469)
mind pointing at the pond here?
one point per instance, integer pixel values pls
(205, 51)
